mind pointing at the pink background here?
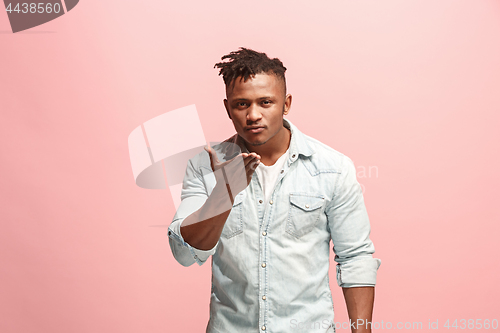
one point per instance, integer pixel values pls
(407, 87)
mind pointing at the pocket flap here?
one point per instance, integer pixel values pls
(307, 201)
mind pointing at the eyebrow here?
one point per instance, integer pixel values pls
(246, 99)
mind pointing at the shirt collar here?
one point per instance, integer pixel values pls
(298, 143)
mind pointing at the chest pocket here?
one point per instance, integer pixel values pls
(304, 212)
(234, 222)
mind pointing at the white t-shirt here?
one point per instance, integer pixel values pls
(268, 175)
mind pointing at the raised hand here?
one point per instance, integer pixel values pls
(237, 172)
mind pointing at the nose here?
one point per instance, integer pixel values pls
(253, 114)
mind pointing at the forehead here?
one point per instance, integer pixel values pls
(261, 84)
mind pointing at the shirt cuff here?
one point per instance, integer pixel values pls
(200, 256)
(357, 273)
(352, 285)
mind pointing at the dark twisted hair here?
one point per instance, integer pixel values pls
(246, 62)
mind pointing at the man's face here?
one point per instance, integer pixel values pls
(256, 108)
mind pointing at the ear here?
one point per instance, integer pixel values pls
(226, 105)
(288, 104)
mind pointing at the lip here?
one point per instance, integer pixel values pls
(255, 129)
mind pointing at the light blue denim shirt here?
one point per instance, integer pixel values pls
(270, 265)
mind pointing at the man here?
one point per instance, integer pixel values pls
(267, 214)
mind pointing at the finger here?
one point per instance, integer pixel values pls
(251, 157)
(212, 154)
(245, 156)
(249, 160)
(250, 168)
(255, 165)
(240, 157)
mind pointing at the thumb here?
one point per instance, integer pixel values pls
(212, 155)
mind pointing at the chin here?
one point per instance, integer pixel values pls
(256, 143)
(251, 140)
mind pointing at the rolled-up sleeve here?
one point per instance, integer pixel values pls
(350, 231)
(193, 196)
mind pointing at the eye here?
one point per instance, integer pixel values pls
(266, 102)
(240, 105)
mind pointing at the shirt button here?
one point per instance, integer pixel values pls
(260, 201)
(271, 202)
(264, 297)
(264, 264)
(263, 328)
(169, 232)
(282, 171)
(264, 233)
(196, 257)
(293, 156)
(307, 206)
